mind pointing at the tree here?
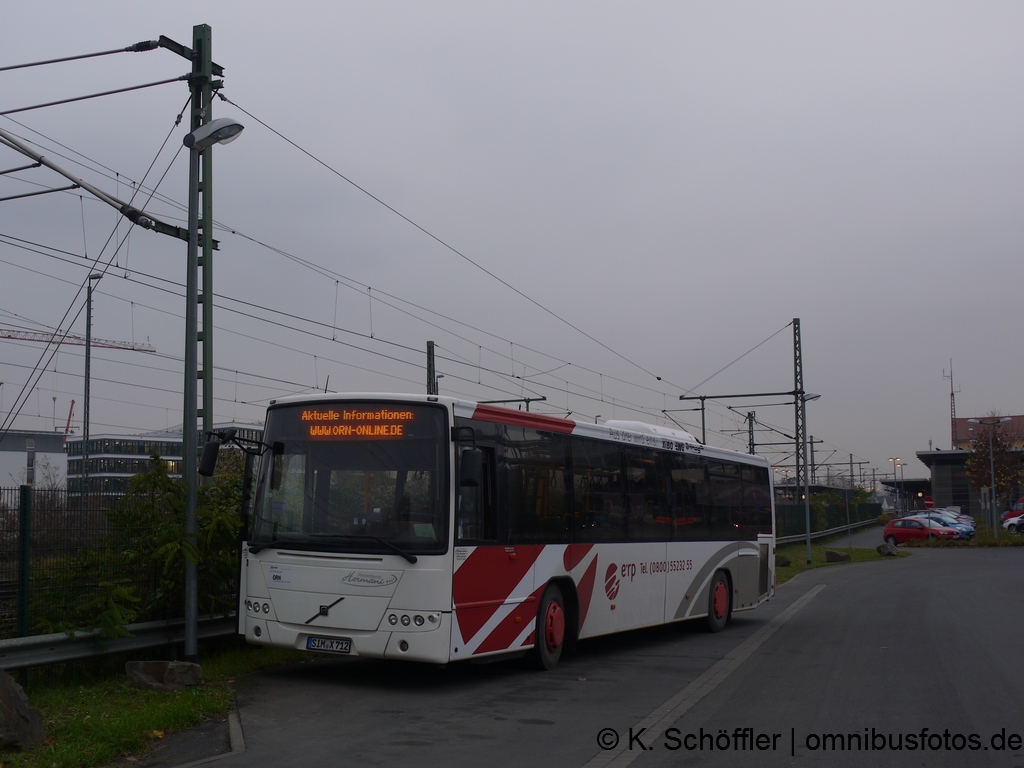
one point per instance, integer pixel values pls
(136, 571)
(1007, 462)
(148, 529)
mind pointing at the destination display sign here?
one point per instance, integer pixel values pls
(340, 423)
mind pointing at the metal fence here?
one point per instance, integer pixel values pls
(55, 557)
(791, 519)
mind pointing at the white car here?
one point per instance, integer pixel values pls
(1014, 524)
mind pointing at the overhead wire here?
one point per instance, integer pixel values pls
(342, 278)
(437, 239)
(140, 47)
(620, 401)
(581, 391)
(22, 243)
(94, 95)
(356, 285)
(359, 286)
(19, 403)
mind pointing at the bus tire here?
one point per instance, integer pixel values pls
(719, 603)
(551, 629)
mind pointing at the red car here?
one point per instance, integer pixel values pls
(904, 529)
(1016, 510)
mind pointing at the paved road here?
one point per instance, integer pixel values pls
(897, 646)
(867, 538)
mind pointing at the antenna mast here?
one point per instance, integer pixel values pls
(952, 404)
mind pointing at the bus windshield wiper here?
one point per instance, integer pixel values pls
(255, 547)
(397, 550)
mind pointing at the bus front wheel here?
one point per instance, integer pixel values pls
(719, 603)
(550, 628)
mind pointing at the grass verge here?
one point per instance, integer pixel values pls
(984, 538)
(99, 722)
(797, 552)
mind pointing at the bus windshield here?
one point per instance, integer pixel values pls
(354, 476)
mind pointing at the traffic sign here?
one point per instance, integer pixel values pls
(929, 502)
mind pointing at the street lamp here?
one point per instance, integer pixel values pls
(220, 131)
(903, 491)
(895, 489)
(992, 465)
(223, 130)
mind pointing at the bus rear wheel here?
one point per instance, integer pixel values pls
(551, 629)
(719, 603)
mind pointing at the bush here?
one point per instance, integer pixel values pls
(884, 519)
(146, 546)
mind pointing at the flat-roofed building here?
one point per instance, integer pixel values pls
(33, 458)
(115, 459)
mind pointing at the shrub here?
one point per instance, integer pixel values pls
(145, 546)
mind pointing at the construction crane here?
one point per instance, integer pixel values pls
(79, 341)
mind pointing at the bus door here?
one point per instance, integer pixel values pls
(481, 566)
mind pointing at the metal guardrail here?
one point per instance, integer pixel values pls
(40, 650)
(829, 532)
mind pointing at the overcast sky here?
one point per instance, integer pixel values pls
(669, 184)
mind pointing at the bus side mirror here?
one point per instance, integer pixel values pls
(208, 461)
(471, 471)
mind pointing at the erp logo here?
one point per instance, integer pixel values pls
(611, 581)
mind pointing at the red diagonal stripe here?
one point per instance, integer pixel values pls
(509, 629)
(574, 554)
(485, 581)
(585, 590)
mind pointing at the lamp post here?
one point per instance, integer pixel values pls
(219, 131)
(895, 489)
(992, 465)
(903, 491)
(85, 414)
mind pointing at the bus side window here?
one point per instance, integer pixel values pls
(534, 471)
(476, 513)
(647, 503)
(727, 499)
(598, 491)
(757, 508)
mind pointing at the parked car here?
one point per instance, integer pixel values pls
(1015, 511)
(904, 529)
(1014, 524)
(966, 529)
(959, 516)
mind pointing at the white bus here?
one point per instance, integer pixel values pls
(434, 529)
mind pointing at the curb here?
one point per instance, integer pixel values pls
(235, 737)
